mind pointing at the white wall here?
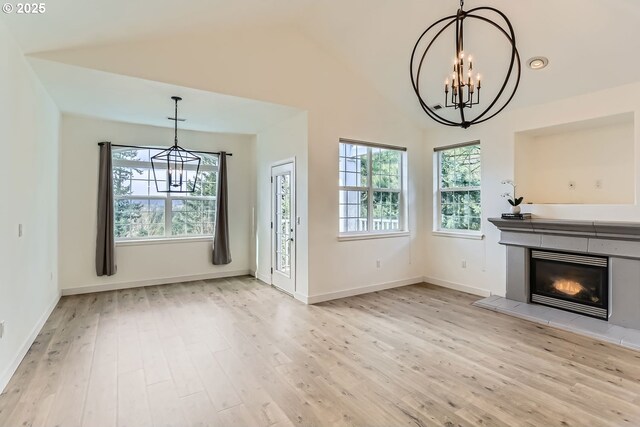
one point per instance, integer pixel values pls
(592, 163)
(145, 263)
(283, 141)
(29, 127)
(485, 272)
(287, 68)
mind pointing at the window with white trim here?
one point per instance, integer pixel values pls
(457, 178)
(141, 212)
(371, 188)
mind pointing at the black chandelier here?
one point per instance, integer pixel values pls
(463, 91)
(175, 170)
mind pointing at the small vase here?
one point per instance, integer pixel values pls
(515, 209)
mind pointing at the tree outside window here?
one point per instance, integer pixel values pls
(370, 180)
(141, 212)
(458, 196)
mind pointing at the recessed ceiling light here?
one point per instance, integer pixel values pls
(538, 62)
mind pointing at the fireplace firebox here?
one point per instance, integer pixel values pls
(572, 282)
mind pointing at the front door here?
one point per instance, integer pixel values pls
(283, 244)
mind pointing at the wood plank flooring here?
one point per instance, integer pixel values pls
(233, 352)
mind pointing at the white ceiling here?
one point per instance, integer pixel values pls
(134, 100)
(591, 44)
(75, 23)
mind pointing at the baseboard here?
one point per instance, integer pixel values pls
(301, 297)
(11, 369)
(151, 282)
(457, 286)
(314, 299)
(263, 277)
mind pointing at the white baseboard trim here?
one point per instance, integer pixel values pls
(301, 297)
(263, 278)
(314, 299)
(151, 282)
(11, 369)
(457, 286)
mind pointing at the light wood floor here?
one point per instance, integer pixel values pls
(233, 352)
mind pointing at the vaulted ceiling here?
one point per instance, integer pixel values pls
(591, 44)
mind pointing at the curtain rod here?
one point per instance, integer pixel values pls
(154, 148)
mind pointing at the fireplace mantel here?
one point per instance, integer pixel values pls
(619, 241)
(602, 229)
(608, 238)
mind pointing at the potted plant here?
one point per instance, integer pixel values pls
(511, 198)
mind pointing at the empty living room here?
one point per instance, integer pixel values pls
(302, 213)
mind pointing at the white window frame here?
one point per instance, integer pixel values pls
(369, 189)
(168, 204)
(438, 230)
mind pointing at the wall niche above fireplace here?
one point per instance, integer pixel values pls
(586, 162)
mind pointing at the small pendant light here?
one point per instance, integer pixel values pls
(175, 170)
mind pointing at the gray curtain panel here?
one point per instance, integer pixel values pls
(105, 245)
(221, 252)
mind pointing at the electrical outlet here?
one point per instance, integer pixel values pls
(464, 263)
(1, 329)
(378, 263)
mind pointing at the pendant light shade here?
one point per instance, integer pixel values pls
(175, 170)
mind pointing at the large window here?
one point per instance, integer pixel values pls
(458, 188)
(371, 188)
(143, 213)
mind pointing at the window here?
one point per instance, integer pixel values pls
(140, 212)
(458, 188)
(371, 188)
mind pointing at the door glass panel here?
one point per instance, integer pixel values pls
(283, 226)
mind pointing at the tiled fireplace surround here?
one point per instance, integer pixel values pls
(619, 241)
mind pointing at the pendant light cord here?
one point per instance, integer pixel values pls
(175, 137)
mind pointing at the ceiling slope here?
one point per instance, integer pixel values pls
(591, 45)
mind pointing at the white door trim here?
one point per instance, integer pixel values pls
(292, 161)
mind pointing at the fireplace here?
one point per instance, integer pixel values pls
(572, 282)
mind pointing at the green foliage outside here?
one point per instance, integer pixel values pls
(460, 174)
(386, 175)
(133, 217)
(192, 216)
(139, 218)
